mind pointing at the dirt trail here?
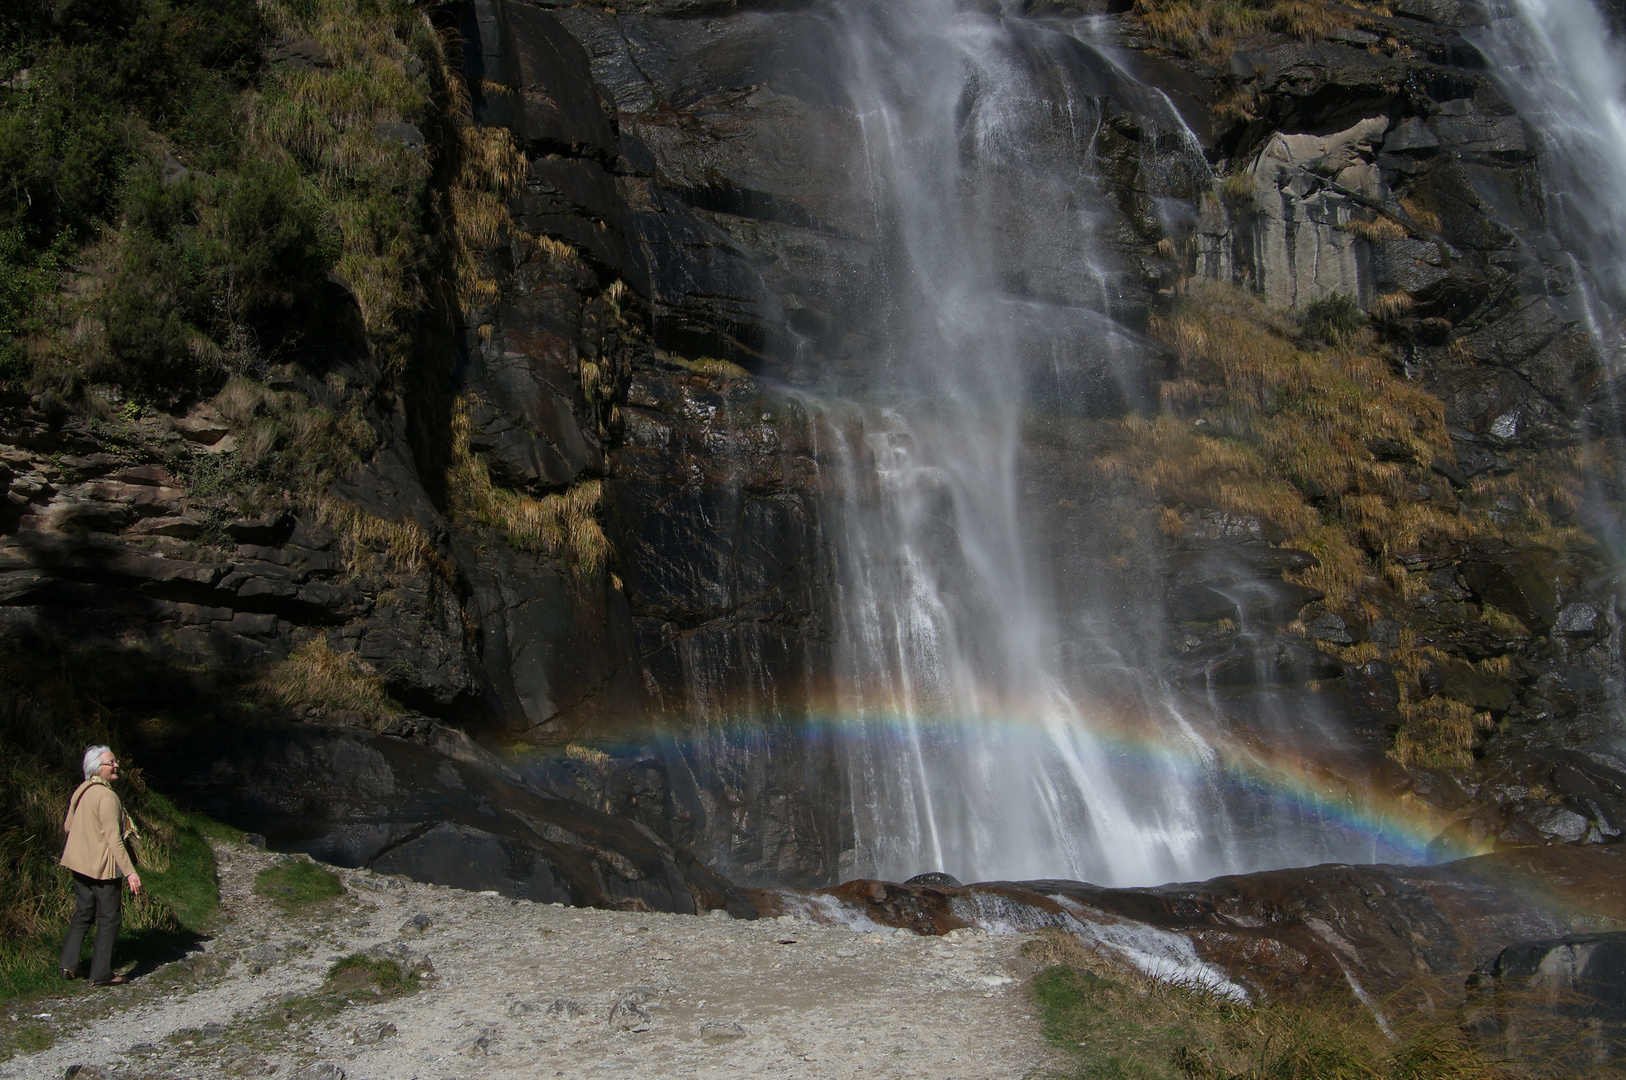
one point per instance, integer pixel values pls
(534, 990)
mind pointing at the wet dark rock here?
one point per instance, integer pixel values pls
(1518, 583)
(1558, 1002)
(1330, 628)
(1278, 932)
(934, 879)
(1277, 663)
(355, 799)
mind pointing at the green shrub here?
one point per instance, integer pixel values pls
(27, 276)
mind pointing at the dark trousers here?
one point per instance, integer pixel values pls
(103, 901)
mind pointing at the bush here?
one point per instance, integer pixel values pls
(1335, 319)
(27, 276)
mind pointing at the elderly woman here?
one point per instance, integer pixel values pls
(97, 826)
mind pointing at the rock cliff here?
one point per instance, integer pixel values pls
(677, 252)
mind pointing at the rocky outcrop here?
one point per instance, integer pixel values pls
(447, 812)
(124, 537)
(1561, 1003)
(1386, 933)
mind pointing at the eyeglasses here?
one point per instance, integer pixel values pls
(113, 764)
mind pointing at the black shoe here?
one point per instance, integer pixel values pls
(111, 980)
(67, 974)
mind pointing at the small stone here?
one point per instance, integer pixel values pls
(322, 1070)
(417, 924)
(374, 1033)
(720, 1032)
(629, 1014)
(401, 133)
(202, 425)
(567, 1009)
(1577, 620)
(84, 1072)
(261, 957)
(521, 1008)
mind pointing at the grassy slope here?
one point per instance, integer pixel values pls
(1118, 1025)
(1263, 419)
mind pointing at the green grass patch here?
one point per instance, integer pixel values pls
(371, 974)
(352, 978)
(28, 1037)
(296, 883)
(187, 883)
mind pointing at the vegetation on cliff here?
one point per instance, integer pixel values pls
(196, 196)
(1309, 427)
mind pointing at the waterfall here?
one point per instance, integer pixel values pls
(1559, 65)
(974, 741)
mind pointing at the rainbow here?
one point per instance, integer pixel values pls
(1141, 745)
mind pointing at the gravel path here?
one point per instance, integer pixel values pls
(534, 990)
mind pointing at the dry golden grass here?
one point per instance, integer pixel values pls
(327, 119)
(1423, 215)
(1110, 1020)
(315, 675)
(1257, 423)
(1392, 305)
(1212, 29)
(564, 526)
(1381, 227)
(404, 545)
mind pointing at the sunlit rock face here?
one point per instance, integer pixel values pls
(870, 613)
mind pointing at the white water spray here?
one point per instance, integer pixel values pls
(1559, 65)
(948, 652)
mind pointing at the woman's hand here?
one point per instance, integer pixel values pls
(135, 882)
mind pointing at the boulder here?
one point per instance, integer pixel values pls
(1559, 1002)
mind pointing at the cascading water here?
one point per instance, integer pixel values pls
(973, 745)
(1558, 63)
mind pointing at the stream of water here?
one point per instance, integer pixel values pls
(1562, 68)
(972, 745)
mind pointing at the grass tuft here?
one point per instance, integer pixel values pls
(314, 674)
(564, 526)
(402, 545)
(297, 883)
(376, 975)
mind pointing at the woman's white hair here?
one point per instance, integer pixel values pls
(93, 759)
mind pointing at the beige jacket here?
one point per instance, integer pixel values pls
(96, 833)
